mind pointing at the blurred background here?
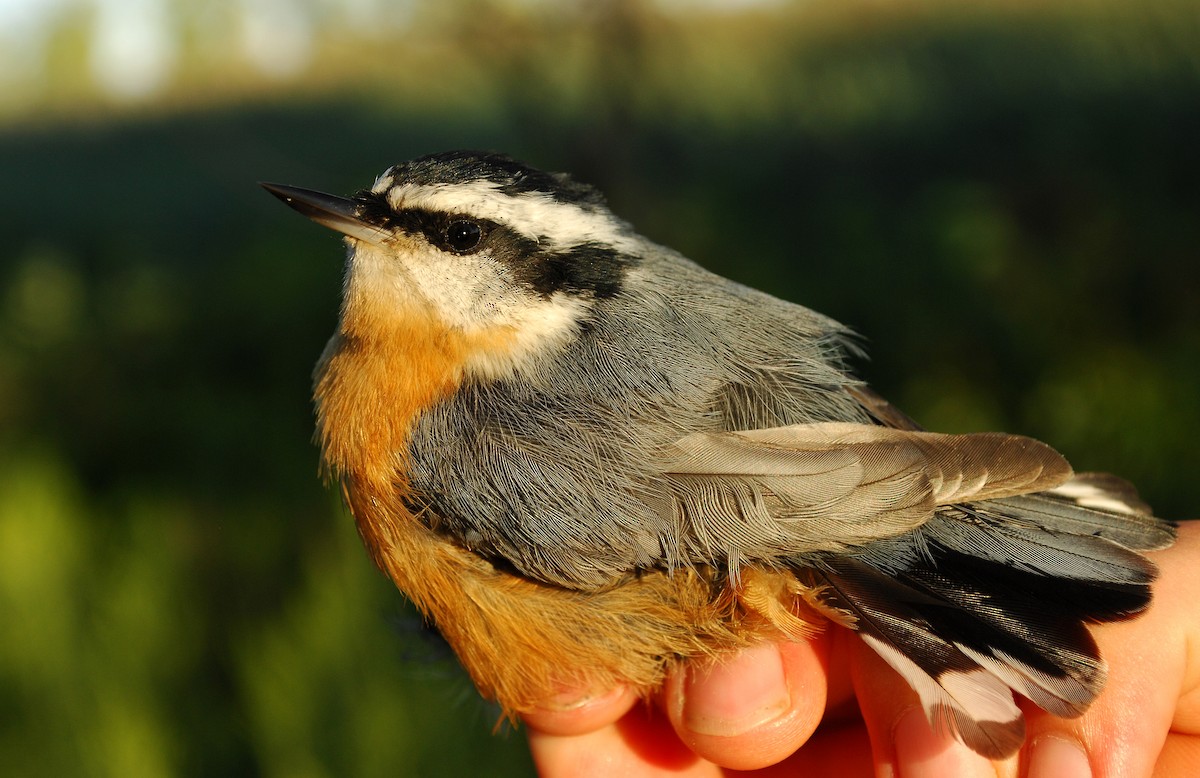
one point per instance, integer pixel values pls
(1001, 197)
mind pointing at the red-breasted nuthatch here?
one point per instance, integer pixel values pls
(587, 459)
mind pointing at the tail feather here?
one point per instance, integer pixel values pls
(956, 692)
(994, 597)
(1060, 512)
(995, 531)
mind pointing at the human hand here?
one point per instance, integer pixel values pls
(832, 707)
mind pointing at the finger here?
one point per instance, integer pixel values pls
(842, 751)
(642, 744)
(902, 741)
(1153, 687)
(751, 709)
(1124, 730)
(1181, 580)
(841, 704)
(1179, 757)
(1151, 681)
(577, 713)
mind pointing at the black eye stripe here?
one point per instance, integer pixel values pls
(434, 226)
(586, 268)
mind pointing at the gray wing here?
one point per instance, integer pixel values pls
(970, 563)
(771, 494)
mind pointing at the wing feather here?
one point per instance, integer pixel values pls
(774, 493)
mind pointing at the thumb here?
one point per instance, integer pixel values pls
(753, 708)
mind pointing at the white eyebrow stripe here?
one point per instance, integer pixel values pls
(535, 215)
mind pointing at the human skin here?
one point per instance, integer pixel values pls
(830, 706)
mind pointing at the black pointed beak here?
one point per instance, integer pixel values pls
(336, 213)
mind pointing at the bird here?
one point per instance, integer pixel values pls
(587, 461)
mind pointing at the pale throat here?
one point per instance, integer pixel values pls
(489, 326)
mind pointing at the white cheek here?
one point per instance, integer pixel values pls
(470, 294)
(463, 292)
(539, 326)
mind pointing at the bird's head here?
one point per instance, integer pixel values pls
(478, 244)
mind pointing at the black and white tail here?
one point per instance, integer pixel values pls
(994, 597)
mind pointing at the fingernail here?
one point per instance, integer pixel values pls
(574, 699)
(922, 752)
(737, 694)
(1058, 756)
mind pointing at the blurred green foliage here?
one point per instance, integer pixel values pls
(1002, 200)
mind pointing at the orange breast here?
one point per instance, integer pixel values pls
(378, 375)
(521, 641)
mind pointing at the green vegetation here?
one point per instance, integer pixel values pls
(1003, 201)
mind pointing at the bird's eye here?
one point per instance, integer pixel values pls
(463, 235)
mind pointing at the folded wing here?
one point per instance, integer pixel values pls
(776, 493)
(972, 564)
